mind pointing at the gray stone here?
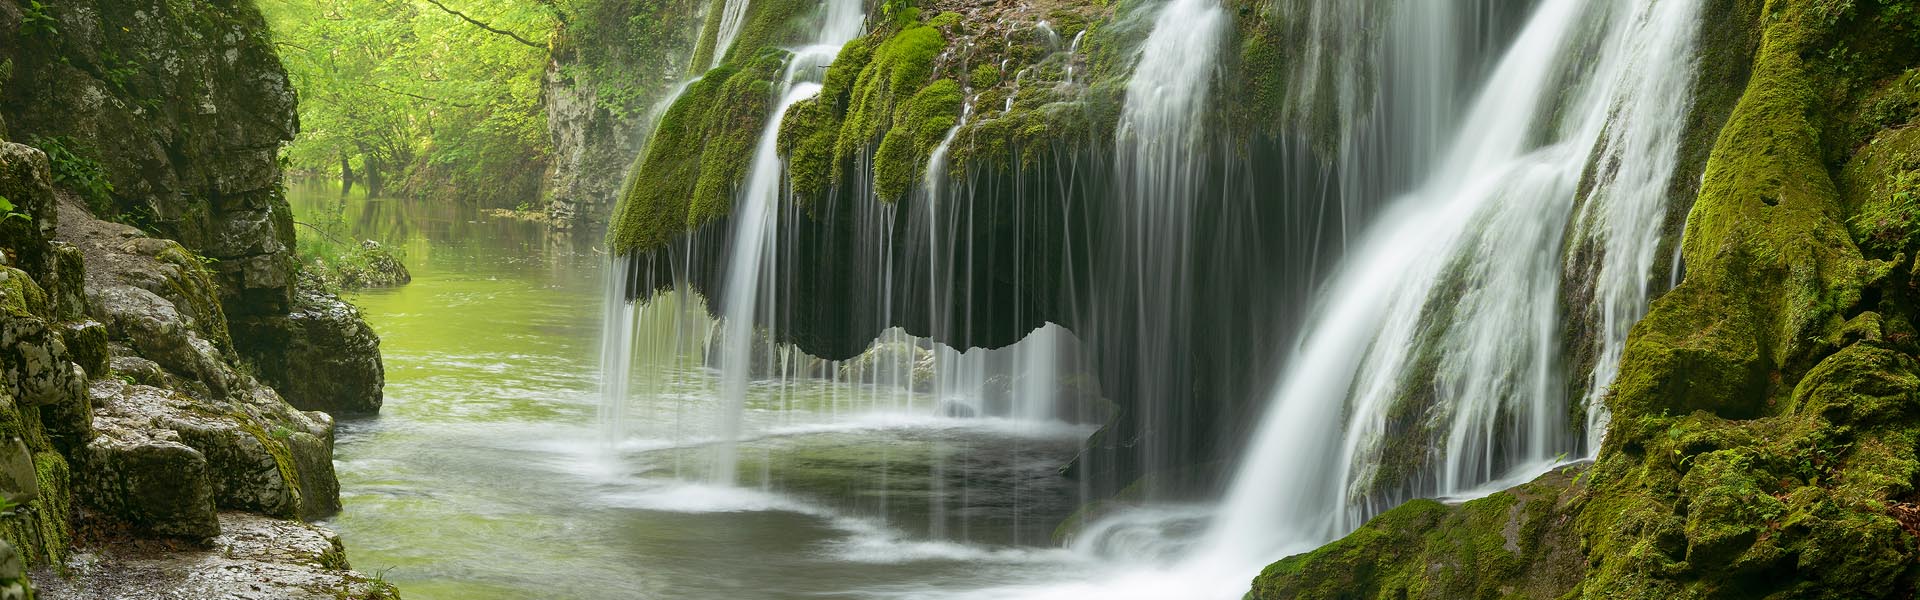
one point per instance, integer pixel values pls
(322, 356)
(18, 479)
(148, 479)
(253, 558)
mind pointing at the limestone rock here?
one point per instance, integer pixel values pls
(185, 108)
(321, 356)
(253, 558)
(19, 482)
(259, 454)
(147, 478)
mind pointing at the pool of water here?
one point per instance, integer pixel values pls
(489, 472)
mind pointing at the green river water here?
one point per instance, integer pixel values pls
(488, 474)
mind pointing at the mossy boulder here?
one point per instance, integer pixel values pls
(1519, 543)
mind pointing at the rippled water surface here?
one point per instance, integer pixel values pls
(487, 475)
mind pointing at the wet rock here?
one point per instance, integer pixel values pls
(253, 558)
(321, 356)
(892, 363)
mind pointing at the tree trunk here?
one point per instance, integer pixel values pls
(370, 166)
(346, 174)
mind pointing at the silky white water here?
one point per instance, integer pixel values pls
(1480, 241)
(1149, 248)
(733, 15)
(1454, 169)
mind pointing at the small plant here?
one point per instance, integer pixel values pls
(74, 167)
(523, 206)
(7, 212)
(36, 22)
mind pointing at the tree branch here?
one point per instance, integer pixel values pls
(416, 96)
(463, 17)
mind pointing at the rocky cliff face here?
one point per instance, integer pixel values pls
(138, 145)
(184, 107)
(613, 62)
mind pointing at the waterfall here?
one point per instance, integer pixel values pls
(1149, 245)
(752, 220)
(616, 353)
(1447, 309)
(733, 15)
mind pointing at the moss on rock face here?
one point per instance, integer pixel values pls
(1765, 431)
(886, 95)
(1515, 544)
(1762, 415)
(701, 150)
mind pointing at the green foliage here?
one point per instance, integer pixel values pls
(628, 52)
(75, 167)
(334, 262)
(413, 96)
(35, 21)
(7, 211)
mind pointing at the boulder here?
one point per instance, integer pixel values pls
(147, 478)
(321, 356)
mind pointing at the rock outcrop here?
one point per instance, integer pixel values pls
(183, 107)
(611, 65)
(321, 356)
(146, 221)
(253, 558)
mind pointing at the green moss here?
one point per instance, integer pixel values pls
(918, 127)
(984, 76)
(700, 152)
(282, 459)
(733, 130)
(1797, 433)
(769, 25)
(812, 128)
(20, 296)
(1509, 545)
(897, 70)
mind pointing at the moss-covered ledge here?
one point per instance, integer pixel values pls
(1519, 543)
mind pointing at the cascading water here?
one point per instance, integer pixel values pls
(1149, 240)
(1450, 303)
(752, 232)
(1447, 309)
(733, 15)
(753, 222)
